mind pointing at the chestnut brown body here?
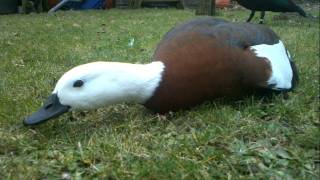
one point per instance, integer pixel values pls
(208, 59)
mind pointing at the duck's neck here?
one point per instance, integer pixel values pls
(138, 82)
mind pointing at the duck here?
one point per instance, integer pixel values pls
(200, 60)
(270, 5)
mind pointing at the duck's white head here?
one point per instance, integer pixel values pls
(99, 84)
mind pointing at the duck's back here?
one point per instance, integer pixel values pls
(206, 59)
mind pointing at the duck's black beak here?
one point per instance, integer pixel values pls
(51, 109)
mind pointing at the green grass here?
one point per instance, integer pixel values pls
(248, 139)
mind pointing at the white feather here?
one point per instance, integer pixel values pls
(280, 64)
(108, 83)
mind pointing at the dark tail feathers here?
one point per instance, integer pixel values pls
(295, 78)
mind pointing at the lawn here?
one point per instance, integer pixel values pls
(246, 139)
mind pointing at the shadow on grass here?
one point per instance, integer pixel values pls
(121, 118)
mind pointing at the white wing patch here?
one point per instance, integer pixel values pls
(280, 64)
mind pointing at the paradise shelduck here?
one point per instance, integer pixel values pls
(200, 60)
(270, 5)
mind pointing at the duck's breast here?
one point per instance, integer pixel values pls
(199, 68)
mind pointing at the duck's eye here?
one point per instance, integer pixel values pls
(78, 83)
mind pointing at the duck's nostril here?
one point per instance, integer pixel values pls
(48, 106)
